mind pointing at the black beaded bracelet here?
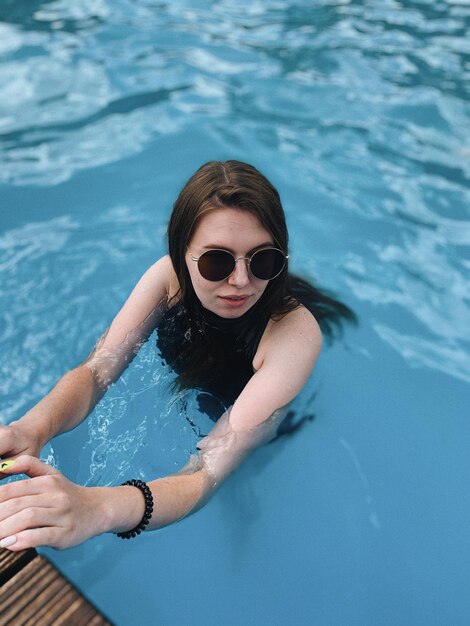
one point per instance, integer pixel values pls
(144, 488)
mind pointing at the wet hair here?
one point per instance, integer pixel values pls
(234, 184)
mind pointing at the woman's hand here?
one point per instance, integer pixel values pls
(46, 509)
(16, 440)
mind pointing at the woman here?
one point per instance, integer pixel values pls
(230, 320)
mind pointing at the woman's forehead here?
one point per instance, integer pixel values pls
(230, 226)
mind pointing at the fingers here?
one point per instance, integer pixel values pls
(44, 513)
(6, 444)
(6, 439)
(13, 443)
(32, 538)
(31, 504)
(17, 504)
(46, 509)
(26, 464)
(19, 489)
(27, 519)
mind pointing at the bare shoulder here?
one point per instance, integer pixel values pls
(159, 278)
(173, 283)
(299, 322)
(161, 269)
(140, 312)
(296, 331)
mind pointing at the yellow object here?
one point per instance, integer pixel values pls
(4, 465)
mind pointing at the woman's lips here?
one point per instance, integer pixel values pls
(234, 301)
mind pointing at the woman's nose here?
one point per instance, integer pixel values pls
(240, 275)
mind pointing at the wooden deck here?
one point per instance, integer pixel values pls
(34, 593)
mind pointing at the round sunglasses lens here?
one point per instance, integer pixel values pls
(216, 265)
(267, 264)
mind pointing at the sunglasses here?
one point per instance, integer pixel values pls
(264, 264)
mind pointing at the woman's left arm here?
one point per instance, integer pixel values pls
(49, 510)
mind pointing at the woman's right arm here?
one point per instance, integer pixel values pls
(65, 406)
(76, 394)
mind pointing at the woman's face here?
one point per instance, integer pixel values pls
(240, 233)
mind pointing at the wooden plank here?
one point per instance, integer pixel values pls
(37, 594)
(12, 562)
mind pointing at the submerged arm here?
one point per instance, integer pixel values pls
(220, 454)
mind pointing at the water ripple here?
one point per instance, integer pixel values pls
(363, 109)
(41, 334)
(448, 358)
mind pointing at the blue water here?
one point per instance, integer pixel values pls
(359, 114)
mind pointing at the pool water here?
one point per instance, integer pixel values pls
(359, 114)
